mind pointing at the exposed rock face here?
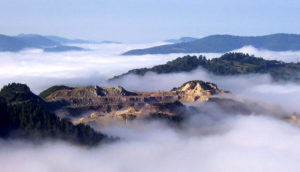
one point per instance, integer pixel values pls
(106, 99)
(197, 91)
(293, 118)
(106, 105)
(166, 110)
(109, 102)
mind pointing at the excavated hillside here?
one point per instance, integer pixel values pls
(105, 105)
(107, 99)
(118, 103)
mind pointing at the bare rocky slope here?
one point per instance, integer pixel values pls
(105, 105)
(118, 103)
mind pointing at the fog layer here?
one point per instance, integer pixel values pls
(213, 141)
(41, 70)
(251, 143)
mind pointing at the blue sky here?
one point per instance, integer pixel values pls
(148, 20)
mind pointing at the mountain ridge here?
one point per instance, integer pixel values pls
(226, 65)
(27, 41)
(47, 43)
(63, 40)
(111, 104)
(103, 106)
(226, 43)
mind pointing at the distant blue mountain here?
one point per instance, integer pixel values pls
(47, 43)
(77, 41)
(226, 43)
(62, 40)
(27, 41)
(182, 39)
(36, 41)
(8, 43)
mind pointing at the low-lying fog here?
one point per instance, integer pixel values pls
(41, 70)
(250, 143)
(232, 142)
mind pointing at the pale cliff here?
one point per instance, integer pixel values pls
(105, 105)
(109, 103)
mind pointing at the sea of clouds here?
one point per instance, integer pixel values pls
(40, 70)
(231, 142)
(249, 143)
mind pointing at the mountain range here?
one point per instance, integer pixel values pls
(225, 43)
(62, 40)
(47, 43)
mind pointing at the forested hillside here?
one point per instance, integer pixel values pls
(25, 115)
(227, 64)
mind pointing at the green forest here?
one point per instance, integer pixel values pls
(52, 89)
(25, 115)
(227, 64)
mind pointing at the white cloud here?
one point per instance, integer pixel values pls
(251, 143)
(209, 142)
(286, 56)
(257, 87)
(91, 67)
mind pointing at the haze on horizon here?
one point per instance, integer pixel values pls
(148, 21)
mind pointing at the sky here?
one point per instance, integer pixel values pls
(136, 21)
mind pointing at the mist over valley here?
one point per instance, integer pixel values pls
(142, 86)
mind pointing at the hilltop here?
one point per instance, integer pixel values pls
(106, 99)
(101, 106)
(109, 103)
(227, 64)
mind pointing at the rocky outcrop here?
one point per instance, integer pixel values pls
(171, 111)
(110, 102)
(106, 105)
(197, 91)
(106, 99)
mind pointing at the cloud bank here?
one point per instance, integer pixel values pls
(214, 141)
(256, 87)
(41, 70)
(252, 143)
(286, 56)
